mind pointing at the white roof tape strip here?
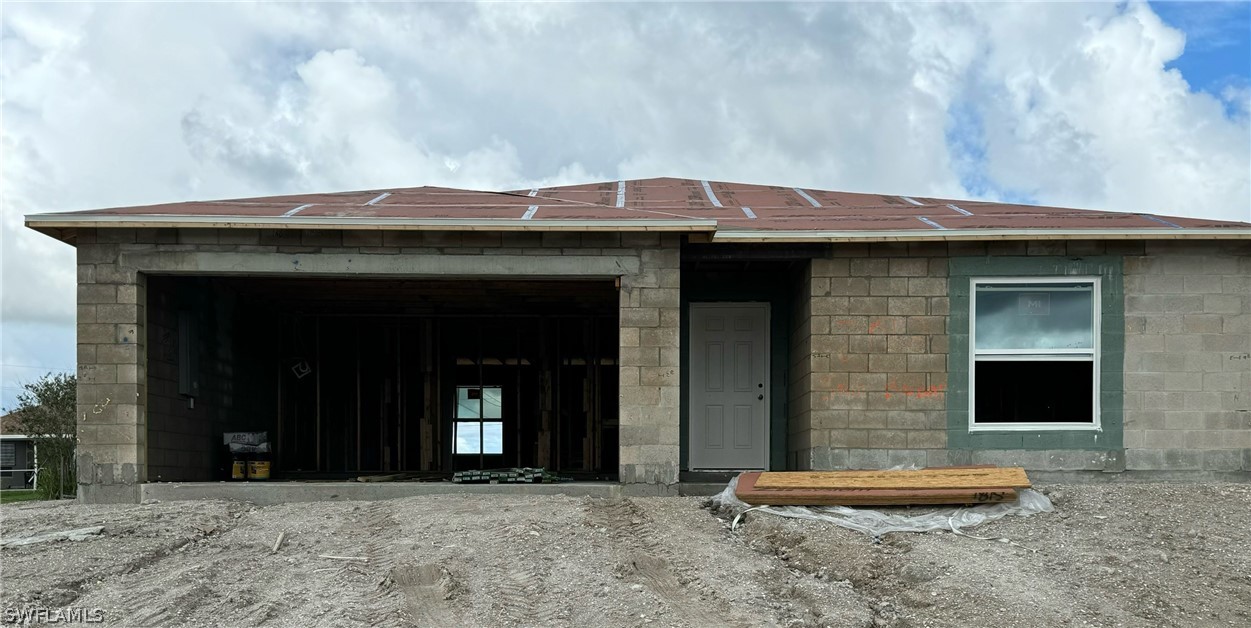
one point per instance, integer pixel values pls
(807, 197)
(712, 197)
(1162, 221)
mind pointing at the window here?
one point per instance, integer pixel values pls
(8, 455)
(1034, 355)
(475, 433)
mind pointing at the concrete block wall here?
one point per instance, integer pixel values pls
(114, 263)
(856, 398)
(800, 430)
(112, 377)
(184, 436)
(870, 357)
(177, 441)
(1188, 357)
(869, 342)
(649, 378)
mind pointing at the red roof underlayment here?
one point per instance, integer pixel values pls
(725, 211)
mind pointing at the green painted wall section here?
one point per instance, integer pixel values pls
(1112, 354)
(763, 287)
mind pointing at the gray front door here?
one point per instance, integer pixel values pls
(729, 387)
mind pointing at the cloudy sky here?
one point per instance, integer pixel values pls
(1130, 107)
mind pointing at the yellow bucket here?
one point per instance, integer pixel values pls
(258, 469)
(239, 470)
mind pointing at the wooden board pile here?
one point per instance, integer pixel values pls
(940, 485)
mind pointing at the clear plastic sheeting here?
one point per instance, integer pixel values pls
(875, 523)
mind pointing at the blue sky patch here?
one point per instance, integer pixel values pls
(1218, 43)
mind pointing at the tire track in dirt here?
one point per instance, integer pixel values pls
(425, 590)
(657, 566)
(406, 594)
(256, 611)
(71, 590)
(208, 582)
(153, 602)
(520, 596)
(204, 584)
(150, 601)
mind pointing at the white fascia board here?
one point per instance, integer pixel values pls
(913, 235)
(63, 221)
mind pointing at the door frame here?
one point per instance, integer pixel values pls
(689, 434)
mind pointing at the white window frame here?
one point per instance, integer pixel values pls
(481, 422)
(1091, 355)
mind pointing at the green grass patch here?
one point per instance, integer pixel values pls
(17, 495)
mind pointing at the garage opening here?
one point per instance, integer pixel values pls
(355, 376)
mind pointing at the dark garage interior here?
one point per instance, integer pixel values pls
(367, 376)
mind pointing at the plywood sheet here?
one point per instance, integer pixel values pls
(748, 492)
(950, 478)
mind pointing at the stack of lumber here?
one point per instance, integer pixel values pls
(522, 475)
(939, 485)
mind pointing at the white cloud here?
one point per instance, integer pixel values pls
(1062, 103)
(1238, 97)
(1100, 123)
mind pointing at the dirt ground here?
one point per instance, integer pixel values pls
(1111, 555)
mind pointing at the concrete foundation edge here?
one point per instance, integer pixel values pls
(287, 492)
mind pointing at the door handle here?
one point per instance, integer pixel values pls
(760, 397)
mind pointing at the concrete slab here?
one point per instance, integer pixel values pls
(701, 489)
(285, 492)
(1130, 477)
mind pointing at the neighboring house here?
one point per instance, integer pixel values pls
(653, 331)
(17, 454)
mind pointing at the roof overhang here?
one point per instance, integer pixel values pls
(53, 224)
(139, 221)
(943, 235)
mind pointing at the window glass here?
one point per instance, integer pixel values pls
(492, 403)
(468, 405)
(8, 454)
(1027, 317)
(468, 437)
(492, 437)
(1029, 391)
